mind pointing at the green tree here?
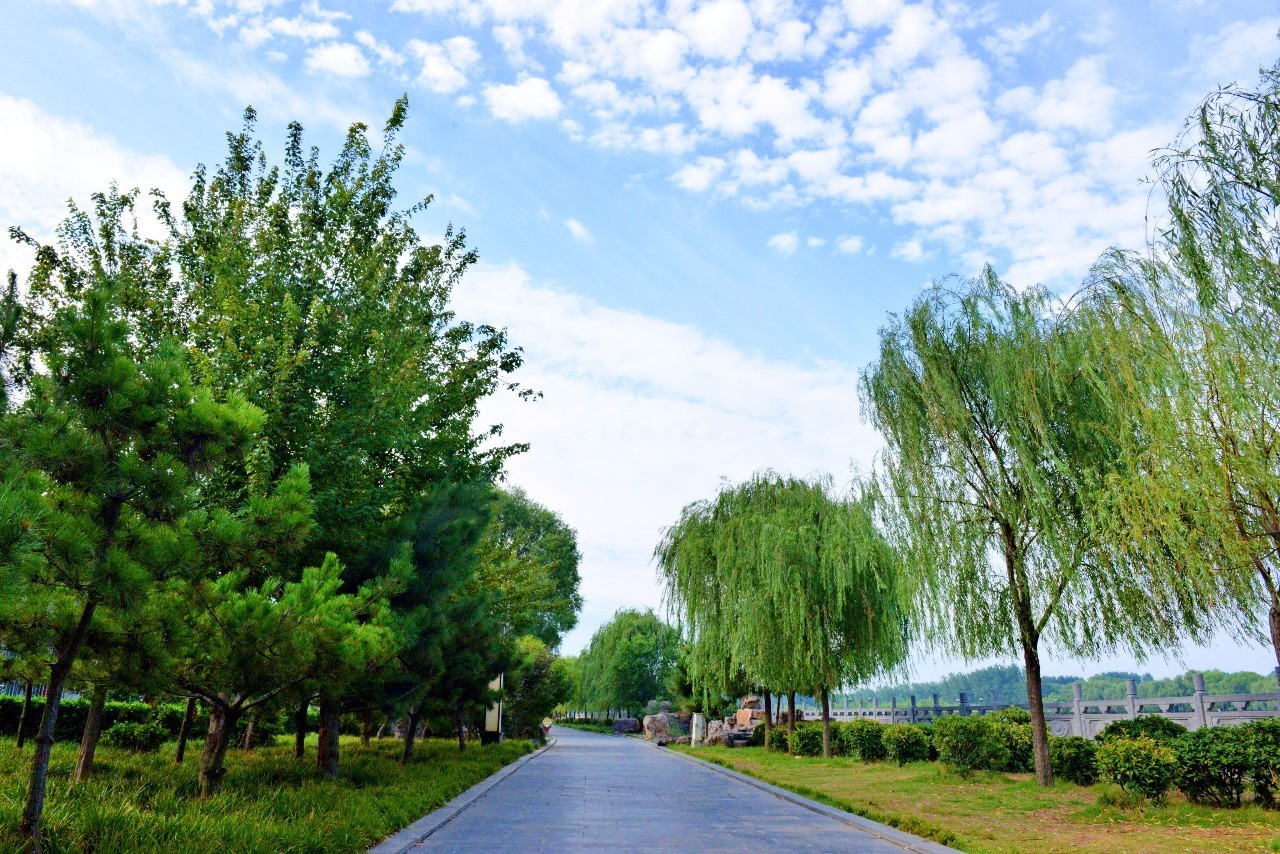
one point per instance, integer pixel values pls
(999, 444)
(1198, 322)
(530, 558)
(628, 661)
(117, 437)
(533, 687)
(780, 581)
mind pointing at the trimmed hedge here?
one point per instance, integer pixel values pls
(1264, 758)
(865, 740)
(905, 743)
(970, 743)
(808, 739)
(72, 714)
(1018, 742)
(1153, 727)
(1074, 759)
(1141, 766)
(139, 738)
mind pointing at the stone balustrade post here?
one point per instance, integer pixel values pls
(964, 702)
(893, 709)
(1198, 704)
(936, 712)
(1131, 688)
(913, 708)
(1077, 712)
(995, 697)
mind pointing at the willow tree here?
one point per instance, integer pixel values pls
(782, 579)
(1200, 322)
(999, 441)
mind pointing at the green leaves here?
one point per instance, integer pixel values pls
(779, 580)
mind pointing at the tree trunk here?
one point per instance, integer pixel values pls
(330, 729)
(89, 741)
(826, 723)
(184, 731)
(1035, 701)
(246, 741)
(462, 733)
(382, 729)
(410, 733)
(222, 723)
(300, 730)
(29, 826)
(791, 723)
(1275, 622)
(768, 715)
(366, 728)
(25, 717)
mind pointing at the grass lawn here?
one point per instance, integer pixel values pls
(269, 801)
(1002, 812)
(587, 726)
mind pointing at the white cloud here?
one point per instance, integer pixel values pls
(909, 250)
(1007, 42)
(700, 175)
(719, 29)
(786, 243)
(670, 408)
(578, 230)
(341, 59)
(1236, 52)
(815, 242)
(1081, 100)
(444, 64)
(531, 98)
(47, 159)
(848, 244)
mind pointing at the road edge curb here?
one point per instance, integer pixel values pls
(420, 830)
(910, 841)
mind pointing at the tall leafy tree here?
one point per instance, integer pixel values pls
(1198, 322)
(530, 558)
(782, 581)
(999, 443)
(628, 661)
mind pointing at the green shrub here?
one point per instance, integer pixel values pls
(1264, 758)
(1213, 765)
(808, 740)
(1010, 715)
(1018, 742)
(905, 743)
(969, 743)
(865, 740)
(1153, 727)
(757, 737)
(1141, 766)
(72, 714)
(139, 738)
(927, 729)
(778, 738)
(1074, 759)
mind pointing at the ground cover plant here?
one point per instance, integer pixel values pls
(273, 803)
(1001, 812)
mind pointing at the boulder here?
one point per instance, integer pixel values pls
(720, 739)
(746, 716)
(624, 726)
(662, 727)
(715, 728)
(684, 739)
(751, 701)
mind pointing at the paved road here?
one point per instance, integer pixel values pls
(600, 792)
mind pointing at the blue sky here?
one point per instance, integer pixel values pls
(693, 216)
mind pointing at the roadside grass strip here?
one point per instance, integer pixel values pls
(993, 812)
(270, 802)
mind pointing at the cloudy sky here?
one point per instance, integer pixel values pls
(693, 216)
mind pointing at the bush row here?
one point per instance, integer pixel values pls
(1142, 758)
(72, 714)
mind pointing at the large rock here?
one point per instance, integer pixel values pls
(662, 728)
(751, 701)
(623, 726)
(746, 716)
(720, 739)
